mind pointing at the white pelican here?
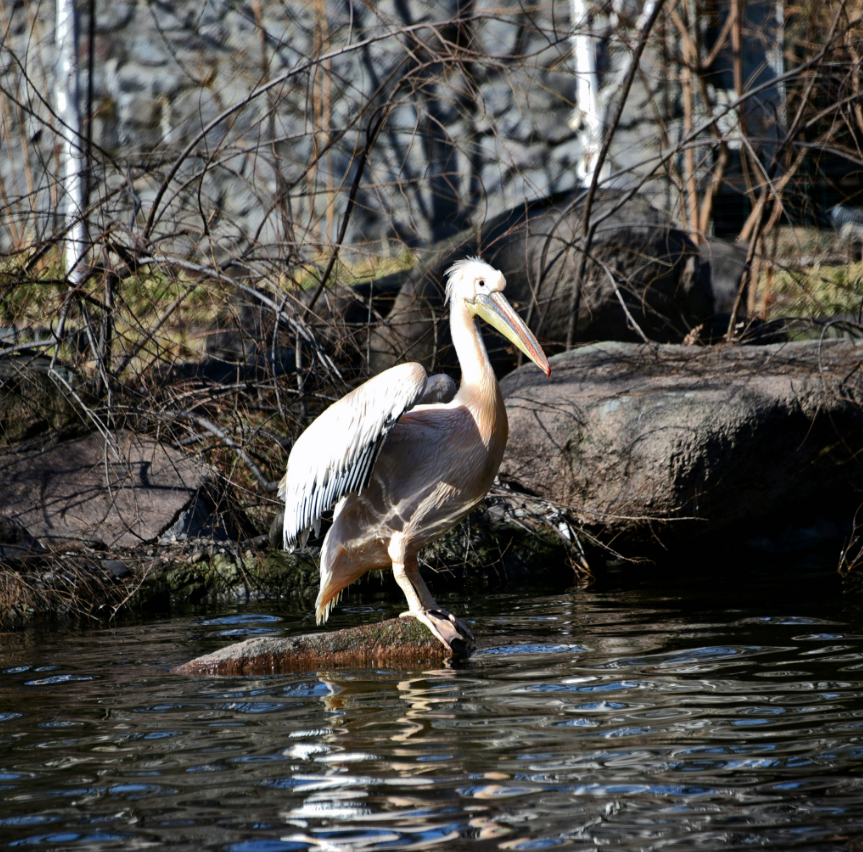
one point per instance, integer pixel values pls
(403, 461)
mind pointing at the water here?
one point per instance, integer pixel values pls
(666, 713)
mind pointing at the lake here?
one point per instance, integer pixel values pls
(720, 707)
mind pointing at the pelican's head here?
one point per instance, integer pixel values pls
(480, 287)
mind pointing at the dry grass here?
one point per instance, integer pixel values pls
(809, 274)
(817, 292)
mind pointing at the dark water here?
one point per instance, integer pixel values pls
(666, 713)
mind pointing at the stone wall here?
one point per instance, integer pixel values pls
(442, 113)
(461, 118)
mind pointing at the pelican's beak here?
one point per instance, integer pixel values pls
(498, 312)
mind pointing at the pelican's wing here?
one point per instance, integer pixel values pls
(337, 453)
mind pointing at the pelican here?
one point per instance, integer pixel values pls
(403, 457)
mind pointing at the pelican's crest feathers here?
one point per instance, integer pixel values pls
(455, 269)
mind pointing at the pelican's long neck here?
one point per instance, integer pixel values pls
(478, 390)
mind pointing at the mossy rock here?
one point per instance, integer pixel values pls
(292, 575)
(225, 576)
(508, 543)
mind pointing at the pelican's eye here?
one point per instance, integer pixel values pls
(480, 284)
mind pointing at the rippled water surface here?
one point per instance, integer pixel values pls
(668, 713)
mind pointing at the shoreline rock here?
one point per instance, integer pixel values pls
(669, 443)
(630, 448)
(120, 493)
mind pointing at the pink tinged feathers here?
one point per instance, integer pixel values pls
(400, 472)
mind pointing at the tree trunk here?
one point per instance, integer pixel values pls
(71, 200)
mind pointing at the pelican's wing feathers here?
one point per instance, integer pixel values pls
(336, 455)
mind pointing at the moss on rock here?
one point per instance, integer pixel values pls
(224, 576)
(511, 541)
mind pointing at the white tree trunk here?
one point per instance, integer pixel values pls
(593, 94)
(71, 196)
(588, 116)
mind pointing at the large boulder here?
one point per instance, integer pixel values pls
(117, 493)
(671, 442)
(637, 250)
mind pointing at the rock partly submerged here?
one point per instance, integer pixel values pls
(394, 642)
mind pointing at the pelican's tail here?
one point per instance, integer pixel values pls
(338, 571)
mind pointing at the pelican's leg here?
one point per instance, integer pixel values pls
(422, 606)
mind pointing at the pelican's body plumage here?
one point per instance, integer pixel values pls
(401, 468)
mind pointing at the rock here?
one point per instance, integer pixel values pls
(85, 490)
(396, 642)
(275, 533)
(657, 268)
(116, 568)
(16, 542)
(511, 542)
(36, 406)
(672, 442)
(722, 265)
(221, 576)
(202, 518)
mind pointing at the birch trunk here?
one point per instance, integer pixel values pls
(588, 117)
(71, 177)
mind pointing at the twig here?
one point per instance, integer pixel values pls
(630, 319)
(228, 441)
(371, 137)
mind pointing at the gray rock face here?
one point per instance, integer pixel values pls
(655, 266)
(638, 438)
(84, 490)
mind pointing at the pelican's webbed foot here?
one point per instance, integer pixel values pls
(452, 632)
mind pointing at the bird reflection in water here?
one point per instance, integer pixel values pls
(343, 809)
